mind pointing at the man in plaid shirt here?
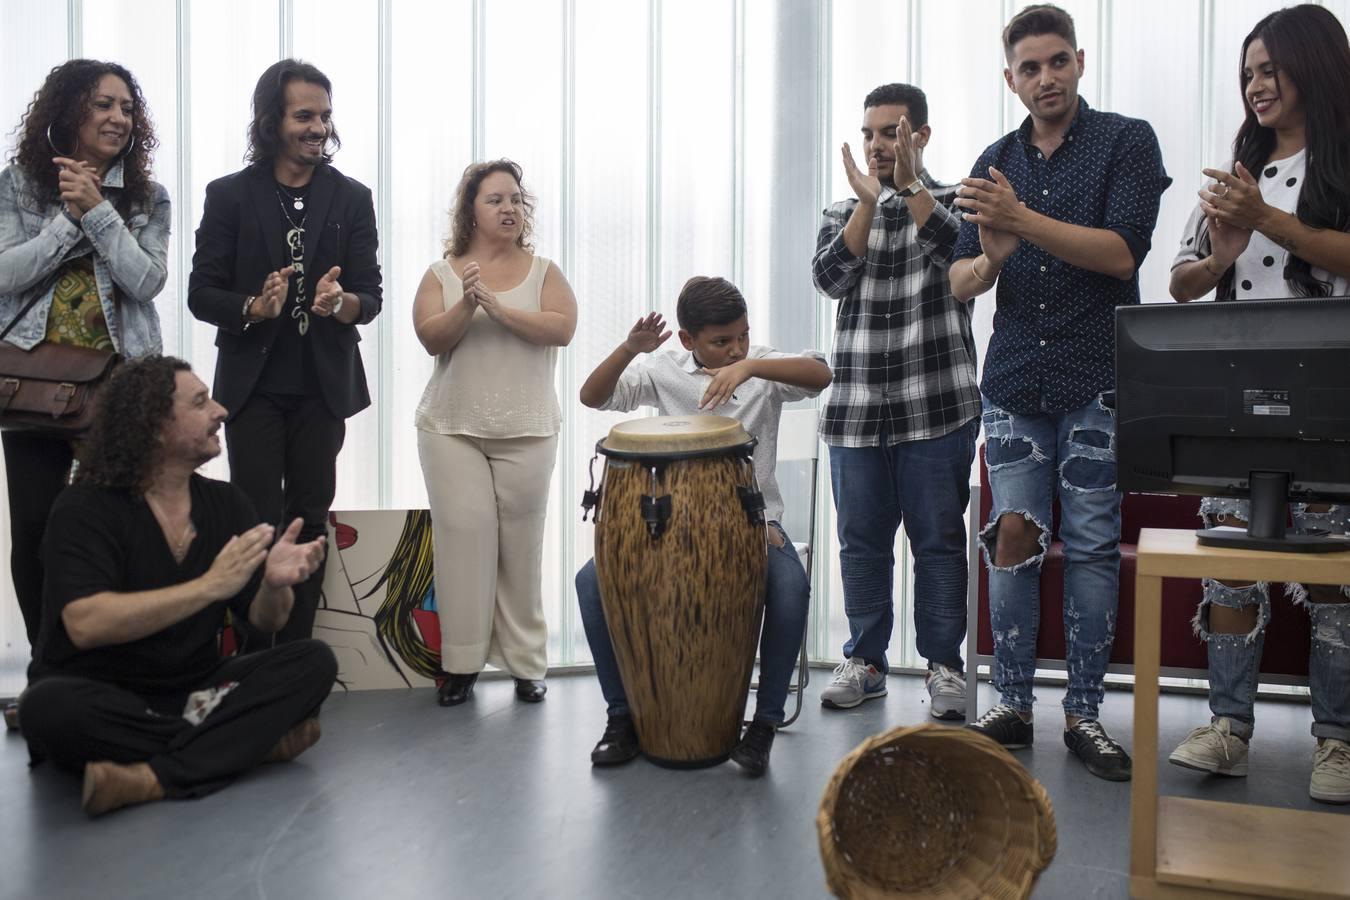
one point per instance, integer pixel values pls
(903, 414)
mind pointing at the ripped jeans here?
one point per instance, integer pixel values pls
(1235, 659)
(1031, 459)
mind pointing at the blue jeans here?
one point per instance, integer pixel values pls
(786, 601)
(1031, 459)
(926, 486)
(1235, 659)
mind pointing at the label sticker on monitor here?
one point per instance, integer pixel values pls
(1265, 403)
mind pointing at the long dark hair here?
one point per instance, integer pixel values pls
(123, 447)
(462, 216)
(1308, 46)
(62, 105)
(269, 105)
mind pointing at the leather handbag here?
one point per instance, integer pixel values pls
(50, 389)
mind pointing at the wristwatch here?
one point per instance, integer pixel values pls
(911, 189)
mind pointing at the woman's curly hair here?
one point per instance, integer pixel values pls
(462, 216)
(123, 446)
(62, 105)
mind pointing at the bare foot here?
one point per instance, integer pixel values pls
(296, 741)
(110, 785)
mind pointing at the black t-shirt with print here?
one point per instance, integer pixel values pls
(100, 540)
(289, 368)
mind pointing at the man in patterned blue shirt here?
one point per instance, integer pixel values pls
(1059, 213)
(904, 411)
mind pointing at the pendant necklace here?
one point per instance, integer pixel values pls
(178, 546)
(295, 243)
(297, 200)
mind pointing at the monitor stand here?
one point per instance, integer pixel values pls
(1266, 530)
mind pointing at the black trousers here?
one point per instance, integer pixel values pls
(73, 721)
(283, 454)
(36, 469)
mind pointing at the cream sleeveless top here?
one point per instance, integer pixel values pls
(492, 384)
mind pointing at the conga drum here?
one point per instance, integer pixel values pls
(681, 558)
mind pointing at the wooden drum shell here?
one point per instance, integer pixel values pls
(683, 608)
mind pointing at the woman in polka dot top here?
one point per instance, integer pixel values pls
(1275, 226)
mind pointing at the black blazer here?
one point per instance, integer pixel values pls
(241, 241)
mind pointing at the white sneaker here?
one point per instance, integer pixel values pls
(855, 680)
(946, 693)
(1214, 749)
(1331, 772)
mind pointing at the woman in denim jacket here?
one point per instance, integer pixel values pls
(85, 230)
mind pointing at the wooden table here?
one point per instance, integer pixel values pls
(1183, 848)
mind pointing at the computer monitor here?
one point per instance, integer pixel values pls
(1245, 398)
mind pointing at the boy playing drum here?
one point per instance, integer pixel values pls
(718, 371)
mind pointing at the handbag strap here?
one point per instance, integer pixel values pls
(23, 312)
(37, 295)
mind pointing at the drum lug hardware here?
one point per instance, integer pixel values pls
(656, 513)
(589, 501)
(752, 501)
(590, 497)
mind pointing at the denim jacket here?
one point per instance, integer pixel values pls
(36, 240)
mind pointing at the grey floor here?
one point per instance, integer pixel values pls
(498, 799)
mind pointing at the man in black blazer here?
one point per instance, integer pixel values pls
(286, 268)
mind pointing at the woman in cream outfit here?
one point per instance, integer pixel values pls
(493, 314)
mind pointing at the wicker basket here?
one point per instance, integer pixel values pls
(933, 811)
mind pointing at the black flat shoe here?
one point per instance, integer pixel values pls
(456, 689)
(619, 743)
(752, 753)
(529, 690)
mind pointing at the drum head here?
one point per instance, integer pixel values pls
(675, 435)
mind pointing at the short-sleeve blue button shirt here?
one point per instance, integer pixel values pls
(1053, 346)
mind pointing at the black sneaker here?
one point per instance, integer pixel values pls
(752, 753)
(1098, 750)
(618, 744)
(1003, 725)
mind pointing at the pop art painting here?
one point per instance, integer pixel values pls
(378, 610)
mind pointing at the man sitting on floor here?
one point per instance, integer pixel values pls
(143, 559)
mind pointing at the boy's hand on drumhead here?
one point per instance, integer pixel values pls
(724, 381)
(649, 333)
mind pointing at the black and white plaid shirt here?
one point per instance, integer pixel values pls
(904, 351)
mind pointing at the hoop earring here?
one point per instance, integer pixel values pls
(50, 143)
(131, 145)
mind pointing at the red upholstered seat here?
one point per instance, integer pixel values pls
(1287, 638)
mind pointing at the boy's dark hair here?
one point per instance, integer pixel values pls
(1042, 18)
(906, 95)
(708, 301)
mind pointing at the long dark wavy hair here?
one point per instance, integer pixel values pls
(123, 447)
(269, 105)
(462, 216)
(1308, 46)
(62, 104)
